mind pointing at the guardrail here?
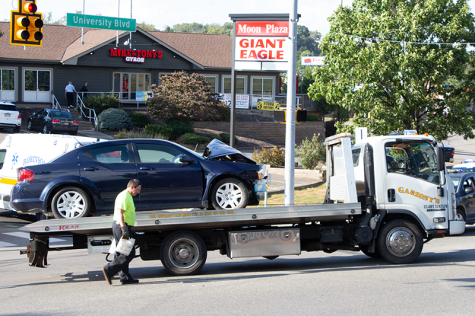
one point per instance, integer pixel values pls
(81, 109)
(55, 104)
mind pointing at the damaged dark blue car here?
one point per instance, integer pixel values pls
(87, 180)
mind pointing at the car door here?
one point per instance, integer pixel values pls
(106, 169)
(167, 182)
(38, 119)
(468, 192)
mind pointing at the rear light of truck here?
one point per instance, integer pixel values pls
(54, 121)
(25, 175)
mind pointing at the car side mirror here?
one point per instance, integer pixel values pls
(186, 159)
(469, 190)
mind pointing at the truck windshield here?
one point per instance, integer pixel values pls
(414, 159)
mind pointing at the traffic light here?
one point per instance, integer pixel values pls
(26, 25)
(281, 116)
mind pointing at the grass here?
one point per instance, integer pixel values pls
(312, 195)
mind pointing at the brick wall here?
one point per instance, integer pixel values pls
(269, 131)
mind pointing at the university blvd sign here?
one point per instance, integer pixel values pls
(100, 22)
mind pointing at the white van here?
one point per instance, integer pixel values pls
(19, 150)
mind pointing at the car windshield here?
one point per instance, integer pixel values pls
(189, 151)
(62, 114)
(456, 182)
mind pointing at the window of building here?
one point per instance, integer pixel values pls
(128, 84)
(240, 85)
(7, 84)
(213, 80)
(262, 86)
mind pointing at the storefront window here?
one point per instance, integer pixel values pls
(30, 80)
(212, 81)
(128, 84)
(263, 86)
(240, 84)
(7, 79)
(43, 80)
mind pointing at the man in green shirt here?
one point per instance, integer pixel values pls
(124, 220)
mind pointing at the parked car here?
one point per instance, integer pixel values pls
(10, 117)
(87, 180)
(53, 121)
(465, 167)
(464, 184)
(449, 153)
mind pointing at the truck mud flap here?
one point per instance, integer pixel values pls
(37, 252)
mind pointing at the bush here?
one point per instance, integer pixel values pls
(139, 119)
(225, 138)
(311, 154)
(171, 130)
(274, 157)
(312, 117)
(193, 139)
(101, 102)
(124, 134)
(212, 136)
(114, 120)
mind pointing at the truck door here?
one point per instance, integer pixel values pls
(412, 180)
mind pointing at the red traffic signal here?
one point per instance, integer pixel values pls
(28, 7)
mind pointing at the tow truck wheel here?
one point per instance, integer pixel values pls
(183, 253)
(70, 202)
(375, 254)
(229, 194)
(400, 242)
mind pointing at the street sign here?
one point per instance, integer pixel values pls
(268, 106)
(100, 22)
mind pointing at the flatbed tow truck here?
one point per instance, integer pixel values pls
(368, 207)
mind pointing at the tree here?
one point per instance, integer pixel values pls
(389, 61)
(185, 98)
(146, 27)
(214, 28)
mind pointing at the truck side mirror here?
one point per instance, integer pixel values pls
(440, 159)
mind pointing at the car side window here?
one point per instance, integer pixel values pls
(155, 153)
(110, 154)
(3, 152)
(469, 182)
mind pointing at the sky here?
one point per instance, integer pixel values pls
(314, 13)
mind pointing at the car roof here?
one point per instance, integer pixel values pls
(6, 103)
(461, 174)
(464, 165)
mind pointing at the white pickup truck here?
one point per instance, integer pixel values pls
(385, 196)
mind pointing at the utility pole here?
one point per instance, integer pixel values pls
(290, 124)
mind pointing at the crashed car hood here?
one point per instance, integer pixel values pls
(217, 150)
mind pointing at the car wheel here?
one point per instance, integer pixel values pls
(400, 242)
(46, 129)
(183, 253)
(70, 202)
(229, 193)
(29, 125)
(461, 215)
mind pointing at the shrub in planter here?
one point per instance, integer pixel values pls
(212, 136)
(114, 120)
(193, 139)
(225, 138)
(274, 157)
(311, 153)
(139, 119)
(101, 102)
(178, 128)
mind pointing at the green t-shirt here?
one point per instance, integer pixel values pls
(125, 202)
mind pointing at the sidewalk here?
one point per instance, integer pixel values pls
(302, 178)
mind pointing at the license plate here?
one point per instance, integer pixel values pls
(7, 115)
(65, 123)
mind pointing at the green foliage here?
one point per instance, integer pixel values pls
(312, 117)
(101, 102)
(146, 27)
(311, 153)
(171, 130)
(274, 157)
(212, 136)
(226, 28)
(185, 98)
(139, 119)
(391, 59)
(225, 137)
(193, 139)
(124, 134)
(343, 128)
(114, 120)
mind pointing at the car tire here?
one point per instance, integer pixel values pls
(229, 193)
(70, 202)
(461, 214)
(46, 129)
(399, 242)
(183, 253)
(29, 126)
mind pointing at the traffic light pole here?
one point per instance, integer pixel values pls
(290, 124)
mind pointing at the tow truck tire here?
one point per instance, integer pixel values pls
(399, 242)
(374, 255)
(229, 193)
(183, 253)
(70, 202)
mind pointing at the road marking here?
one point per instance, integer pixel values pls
(27, 236)
(6, 244)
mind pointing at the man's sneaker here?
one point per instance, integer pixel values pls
(130, 281)
(107, 276)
